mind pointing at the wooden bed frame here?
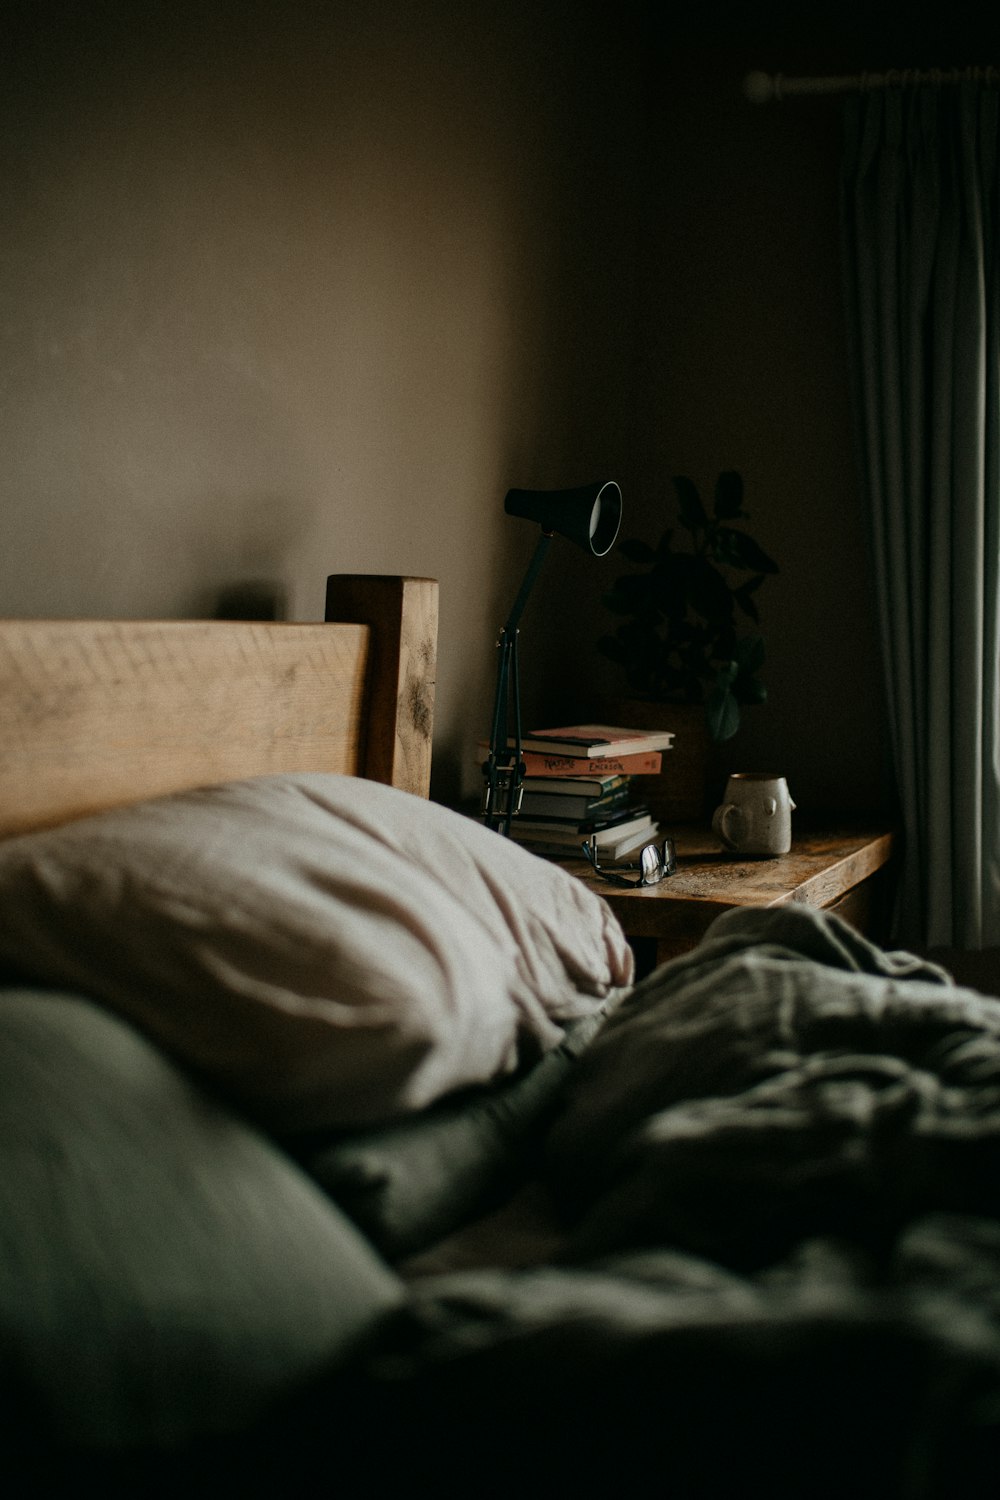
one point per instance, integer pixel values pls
(97, 713)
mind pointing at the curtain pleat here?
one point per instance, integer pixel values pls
(919, 221)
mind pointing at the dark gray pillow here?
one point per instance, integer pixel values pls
(410, 1184)
(165, 1271)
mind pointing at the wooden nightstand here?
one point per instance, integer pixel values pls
(838, 867)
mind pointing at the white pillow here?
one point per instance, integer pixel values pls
(327, 950)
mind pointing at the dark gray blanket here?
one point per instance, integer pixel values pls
(779, 1165)
(664, 1375)
(785, 1079)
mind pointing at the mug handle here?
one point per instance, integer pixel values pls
(723, 820)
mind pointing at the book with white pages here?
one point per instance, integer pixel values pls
(538, 764)
(576, 786)
(567, 807)
(612, 840)
(628, 848)
(595, 741)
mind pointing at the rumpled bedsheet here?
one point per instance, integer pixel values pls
(779, 1167)
(662, 1374)
(785, 1079)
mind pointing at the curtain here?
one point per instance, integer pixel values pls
(919, 200)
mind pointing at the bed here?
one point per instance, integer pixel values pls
(341, 1153)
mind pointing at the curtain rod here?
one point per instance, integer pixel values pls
(761, 88)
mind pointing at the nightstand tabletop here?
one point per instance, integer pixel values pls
(835, 867)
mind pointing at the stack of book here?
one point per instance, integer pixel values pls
(579, 783)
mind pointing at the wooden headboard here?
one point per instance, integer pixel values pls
(96, 713)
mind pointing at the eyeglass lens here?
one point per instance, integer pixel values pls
(655, 863)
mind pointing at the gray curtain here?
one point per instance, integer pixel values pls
(920, 224)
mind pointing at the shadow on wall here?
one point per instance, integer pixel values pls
(253, 599)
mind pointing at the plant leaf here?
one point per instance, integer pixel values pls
(611, 647)
(729, 495)
(747, 605)
(679, 611)
(722, 712)
(752, 690)
(725, 546)
(618, 602)
(709, 594)
(692, 512)
(749, 653)
(637, 551)
(747, 554)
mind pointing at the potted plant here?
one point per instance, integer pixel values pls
(688, 616)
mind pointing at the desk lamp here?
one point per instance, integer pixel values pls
(589, 516)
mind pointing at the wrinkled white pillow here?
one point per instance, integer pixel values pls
(326, 950)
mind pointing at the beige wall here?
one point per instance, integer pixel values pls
(740, 362)
(290, 290)
(284, 291)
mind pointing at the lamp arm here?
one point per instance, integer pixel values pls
(528, 581)
(503, 770)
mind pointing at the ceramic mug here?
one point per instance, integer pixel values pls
(756, 816)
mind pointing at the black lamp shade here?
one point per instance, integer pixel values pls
(589, 516)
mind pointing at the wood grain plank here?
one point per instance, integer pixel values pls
(823, 866)
(402, 614)
(97, 713)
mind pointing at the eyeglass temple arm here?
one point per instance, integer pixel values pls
(611, 876)
(503, 770)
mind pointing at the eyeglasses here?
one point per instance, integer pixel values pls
(656, 862)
